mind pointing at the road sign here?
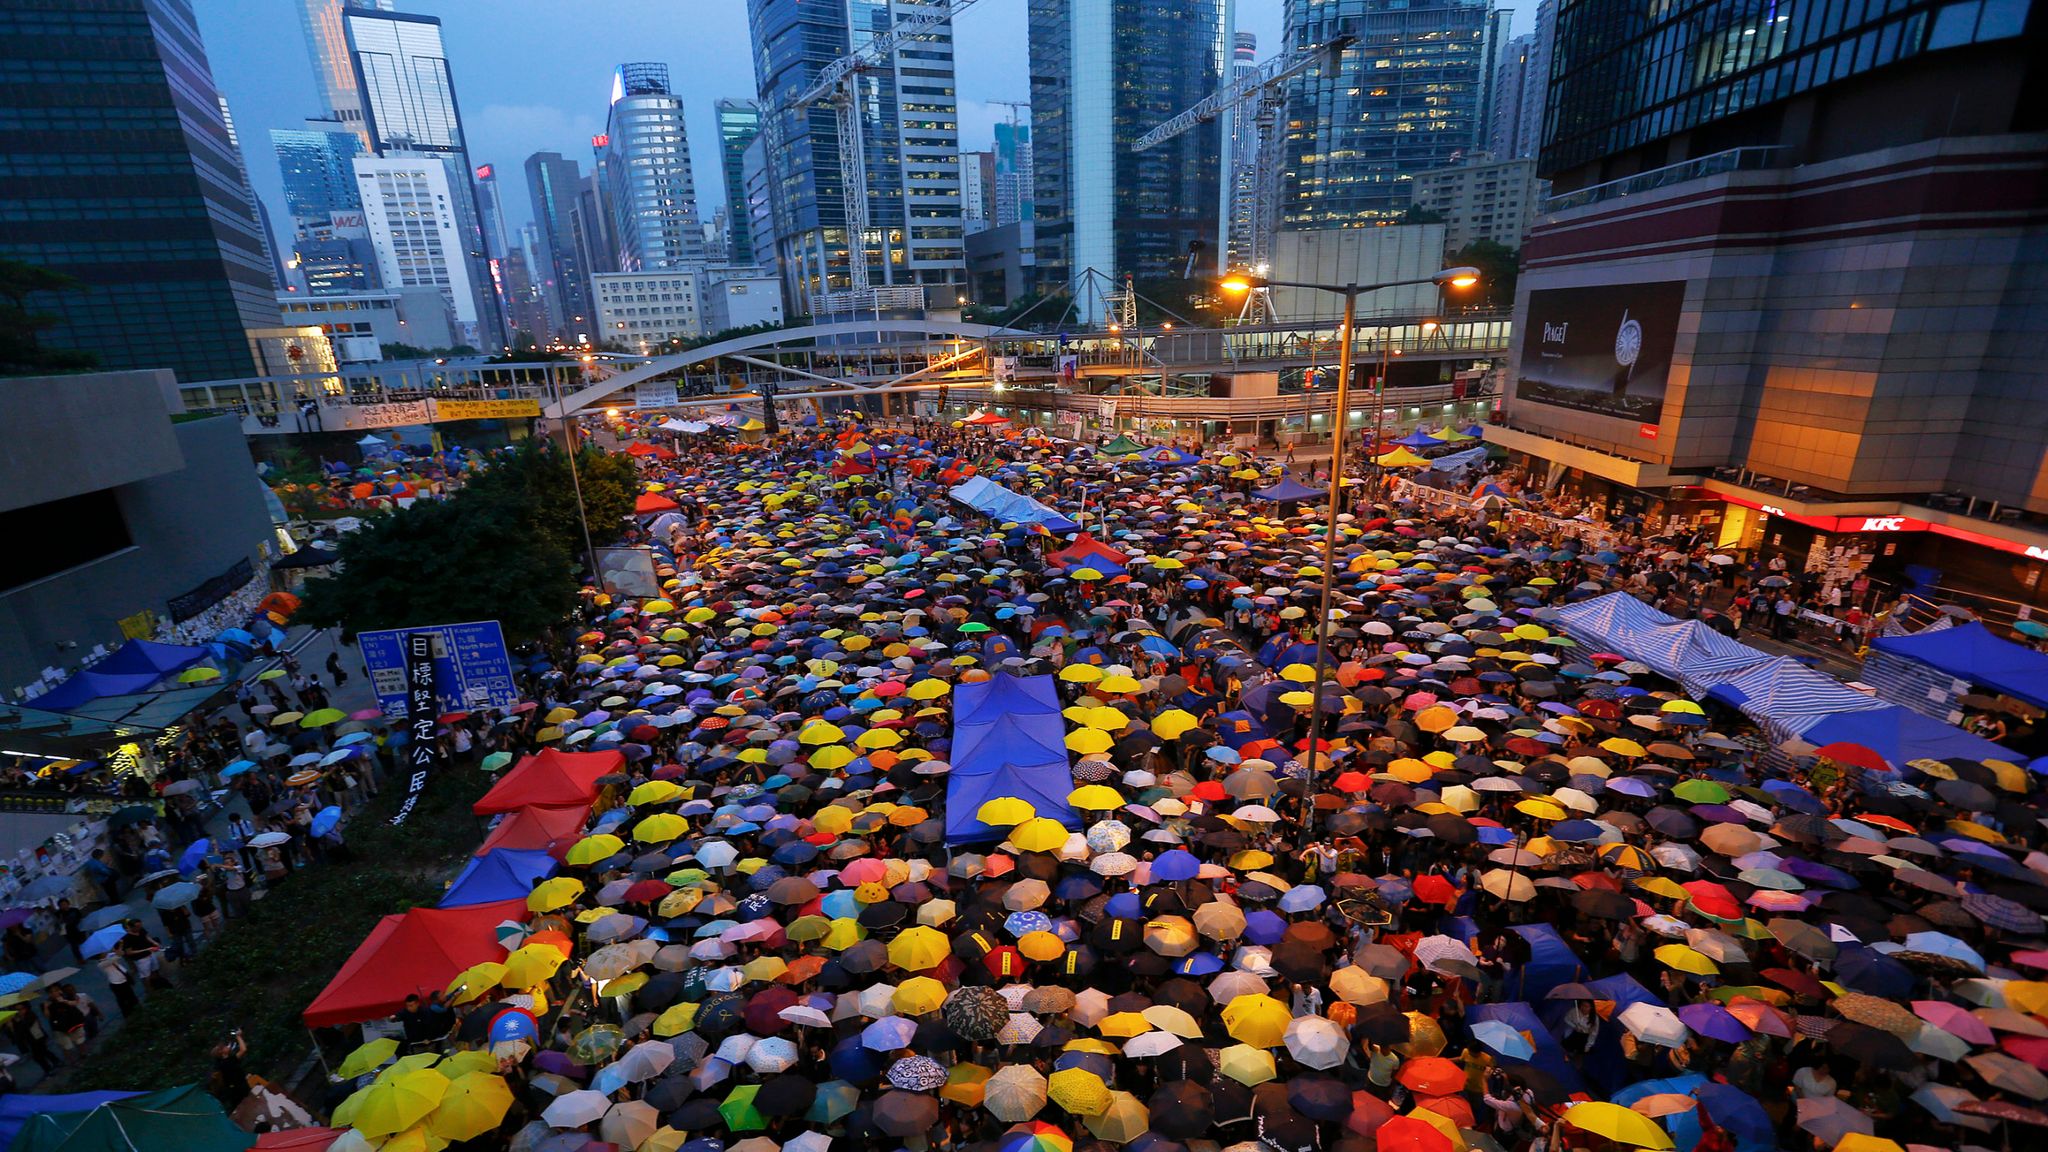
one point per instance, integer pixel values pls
(472, 667)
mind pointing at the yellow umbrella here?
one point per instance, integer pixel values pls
(1002, 812)
(474, 981)
(917, 996)
(559, 715)
(1078, 1091)
(1119, 683)
(474, 1104)
(1686, 959)
(1299, 673)
(1041, 834)
(764, 969)
(1095, 798)
(1090, 741)
(1041, 946)
(843, 933)
(591, 849)
(1247, 1065)
(1124, 1120)
(1541, 809)
(414, 1139)
(879, 738)
(1622, 747)
(965, 1085)
(929, 688)
(654, 792)
(392, 1107)
(284, 718)
(1865, 1142)
(1080, 674)
(1256, 1019)
(531, 965)
(676, 1020)
(322, 717)
(196, 675)
(1174, 723)
(919, 948)
(660, 828)
(1124, 1025)
(555, 892)
(833, 756)
(1617, 1123)
(1107, 719)
(366, 1057)
(820, 732)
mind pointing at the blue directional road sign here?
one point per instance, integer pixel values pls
(473, 668)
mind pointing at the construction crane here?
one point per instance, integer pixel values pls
(838, 85)
(1256, 216)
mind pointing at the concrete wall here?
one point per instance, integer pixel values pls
(188, 525)
(67, 435)
(1357, 256)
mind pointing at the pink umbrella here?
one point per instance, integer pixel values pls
(1954, 1019)
(366, 714)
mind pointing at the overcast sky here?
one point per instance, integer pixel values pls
(534, 75)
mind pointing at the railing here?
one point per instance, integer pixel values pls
(888, 299)
(1297, 405)
(1714, 164)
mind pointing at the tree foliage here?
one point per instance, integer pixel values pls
(1498, 265)
(506, 547)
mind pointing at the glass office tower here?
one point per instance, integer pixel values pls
(116, 168)
(652, 197)
(739, 122)
(1103, 73)
(1410, 96)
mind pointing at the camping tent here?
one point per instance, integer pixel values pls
(1008, 740)
(500, 874)
(1121, 446)
(551, 778)
(1088, 552)
(549, 828)
(1970, 652)
(1004, 506)
(1288, 489)
(17, 1107)
(185, 1118)
(139, 656)
(89, 685)
(418, 951)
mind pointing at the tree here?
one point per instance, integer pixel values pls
(505, 547)
(438, 562)
(1498, 265)
(21, 326)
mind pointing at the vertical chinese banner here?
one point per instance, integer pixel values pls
(422, 707)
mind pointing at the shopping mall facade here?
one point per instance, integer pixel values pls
(1791, 287)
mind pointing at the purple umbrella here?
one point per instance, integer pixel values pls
(1714, 1022)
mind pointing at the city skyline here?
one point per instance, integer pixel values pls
(499, 56)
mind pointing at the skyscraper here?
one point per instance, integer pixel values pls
(116, 168)
(909, 119)
(1244, 151)
(409, 206)
(739, 122)
(334, 73)
(319, 172)
(1520, 84)
(1409, 96)
(553, 181)
(652, 196)
(977, 188)
(1103, 73)
(1013, 192)
(409, 108)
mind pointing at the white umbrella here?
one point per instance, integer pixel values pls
(1654, 1024)
(575, 1109)
(1316, 1041)
(772, 1055)
(1151, 1044)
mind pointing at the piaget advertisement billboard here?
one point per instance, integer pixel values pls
(1604, 349)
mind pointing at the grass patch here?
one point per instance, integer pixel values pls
(264, 969)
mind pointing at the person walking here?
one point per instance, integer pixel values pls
(335, 670)
(120, 980)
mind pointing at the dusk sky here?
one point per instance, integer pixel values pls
(533, 75)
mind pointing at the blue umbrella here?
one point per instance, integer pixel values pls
(1177, 864)
(15, 982)
(190, 859)
(326, 820)
(1503, 1038)
(102, 940)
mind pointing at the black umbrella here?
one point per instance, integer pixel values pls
(786, 1095)
(1319, 1097)
(976, 1013)
(1604, 904)
(1183, 1109)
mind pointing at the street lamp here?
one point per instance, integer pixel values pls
(1459, 277)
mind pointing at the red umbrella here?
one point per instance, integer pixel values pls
(1432, 1076)
(1849, 752)
(762, 1015)
(1713, 899)
(1407, 1134)
(1434, 889)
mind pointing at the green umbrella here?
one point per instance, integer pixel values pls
(739, 1112)
(1700, 792)
(497, 760)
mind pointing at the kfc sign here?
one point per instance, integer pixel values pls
(1882, 524)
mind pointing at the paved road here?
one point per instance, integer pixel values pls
(311, 649)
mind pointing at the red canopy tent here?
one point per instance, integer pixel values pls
(986, 420)
(417, 952)
(543, 827)
(651, 502)
(551, 778)
(1086, 548)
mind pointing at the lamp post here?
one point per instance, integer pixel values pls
(1461, 277)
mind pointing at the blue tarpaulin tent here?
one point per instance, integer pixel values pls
(1008, 740)
(1288, 489)
(1970, 652)
(16, 1108)
(1004, 506)
(1788, 698)
(88, 686)
(1551, 962)
(139, 656)
(1901, 734)
(500, 874)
